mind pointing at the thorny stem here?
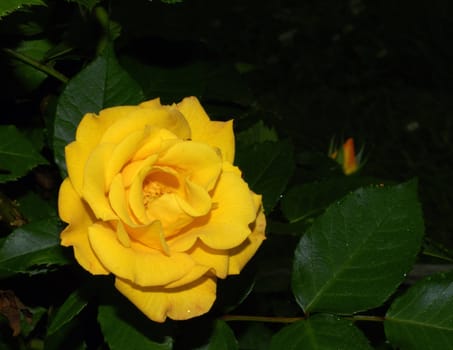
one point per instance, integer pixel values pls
(271, 319)
(42, 67)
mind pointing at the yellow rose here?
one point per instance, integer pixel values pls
(152, 196)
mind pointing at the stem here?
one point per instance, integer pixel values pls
(294, 319)
(42, 67)
(366, 318)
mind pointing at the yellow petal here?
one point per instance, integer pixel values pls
(216, 259)
(88, 135)
(118, 201)
(139, 264)
(122, 235)
(136, 196)
(241, 255)
(196, 273)
(167, 210)
(151, 236)
(76, 156)
(122, 153)
(214, 133)
(109, 116)
(227, 225)
(183, 241)
(154, 196)
(75, 212)
(141, 117)
(157, 141)
(228, 167)
(132, 169)
(94, 189)
(198, 161)
(181, 303)
(197, 201)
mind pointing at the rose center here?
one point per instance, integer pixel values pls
(157, 184)
(152, 191)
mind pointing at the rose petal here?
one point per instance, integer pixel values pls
(75, 212)
(214, 133)
(155, 194)
(132, 169)
(197, 201)
(122, 235)
(102, 166)
(118, 201)
(76, 156)
(141, 117)
(198, 161)
(180, 303)
(241, 255)
(88, 134)
(136, 194)
(122, 153)
(151, 236)
(217, 259)
(139, 264)
(196, 273)
(227, 225)
(167, 210)
(158, 141)
(94, 186)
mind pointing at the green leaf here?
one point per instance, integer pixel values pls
(17, 154)
(356, 254)
(267, 168)
(102, 84)
(32, 248)
(320, 332)
(255, 336)
(422, 318)
(121, 334)
(33, 207)
(29, 76)
(73, 305)
(307, 200)
(8, 6)
(257, 133)
(222, 337)
(70, 336)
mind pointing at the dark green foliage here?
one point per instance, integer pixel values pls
(356, 254)
(292, 75)
(17, 155)
(32, 248)
(422, 318)
(320, 332)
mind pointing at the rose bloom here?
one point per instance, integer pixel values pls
(152, 196)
